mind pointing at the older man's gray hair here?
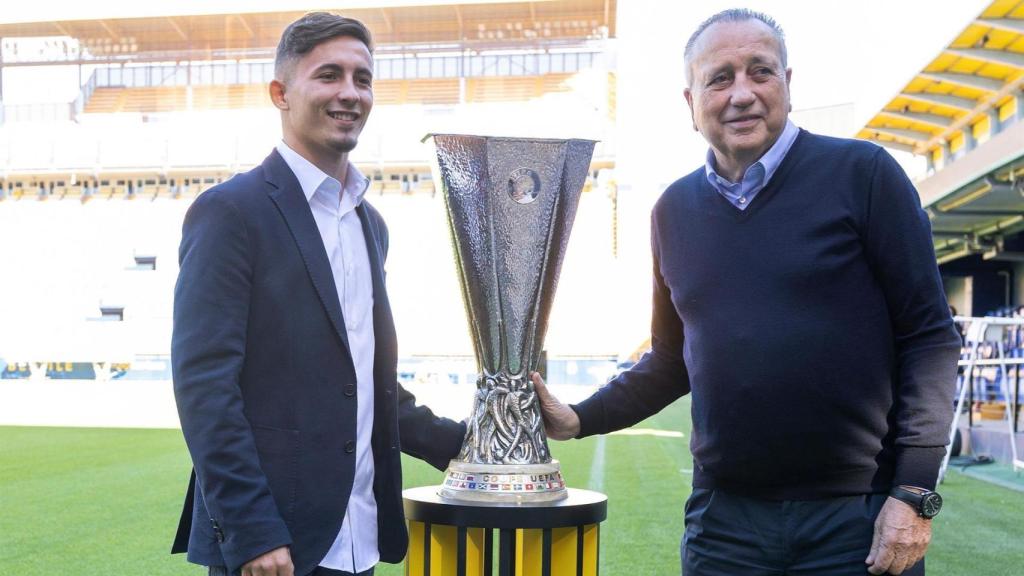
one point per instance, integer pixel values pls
(734, 15)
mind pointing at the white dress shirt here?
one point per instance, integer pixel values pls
(355, 546)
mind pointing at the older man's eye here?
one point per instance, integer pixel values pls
(718, 80)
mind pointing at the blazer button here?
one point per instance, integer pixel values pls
(350, 447)
(217, 532)
(350, 390)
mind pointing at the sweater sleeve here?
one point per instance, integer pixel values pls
(658, 379)
(898, 243)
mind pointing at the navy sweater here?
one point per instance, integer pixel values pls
(811, 329)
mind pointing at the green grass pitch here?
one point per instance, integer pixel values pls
(87, 502)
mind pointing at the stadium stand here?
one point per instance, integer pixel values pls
(95, 189)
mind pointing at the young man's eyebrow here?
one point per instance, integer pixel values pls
(332, 67)
(327, 66)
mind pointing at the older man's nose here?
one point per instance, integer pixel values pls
(742, 95)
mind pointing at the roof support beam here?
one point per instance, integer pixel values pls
(110, 30)
(994, 56)
(62, 29)
(177, 27)
(914, 135)
(245, 24)
(967, 80)
(964, 104)
(921, 117)
(984, 213)
(1007, 24)
(458, 17)
(388, 25)
(895, 145)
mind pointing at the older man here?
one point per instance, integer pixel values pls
(796, 296)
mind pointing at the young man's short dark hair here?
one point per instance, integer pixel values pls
(313, 29)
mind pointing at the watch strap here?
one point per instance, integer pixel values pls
(908, 496)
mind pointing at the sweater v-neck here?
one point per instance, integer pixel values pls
(766, 193)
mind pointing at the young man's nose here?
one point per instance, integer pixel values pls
(347, 92)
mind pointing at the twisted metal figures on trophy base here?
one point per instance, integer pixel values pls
(506, 425)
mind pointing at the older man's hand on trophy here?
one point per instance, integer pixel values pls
(560, 421)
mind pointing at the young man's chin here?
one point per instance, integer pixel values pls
(344, 146)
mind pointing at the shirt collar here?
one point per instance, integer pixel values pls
(769, 162)
(313, 179)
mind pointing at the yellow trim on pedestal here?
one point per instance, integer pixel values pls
(414, 560)
(530, 551)
(443, 549)
(475, 545)
(566, 554)
(563, 550)
(590, 550)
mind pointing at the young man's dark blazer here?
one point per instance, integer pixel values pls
(265, 383)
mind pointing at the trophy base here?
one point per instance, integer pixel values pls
(503, 483)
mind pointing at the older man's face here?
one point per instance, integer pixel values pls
(739, 94)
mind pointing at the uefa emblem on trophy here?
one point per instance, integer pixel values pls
(510, 205)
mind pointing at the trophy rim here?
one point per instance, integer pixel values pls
(429, 135)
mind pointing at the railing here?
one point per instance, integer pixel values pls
(990, 341)
(387, 67)
(41, 113)
(78, 106)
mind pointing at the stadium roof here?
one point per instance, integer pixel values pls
(978, 71)
(959, 111)
(109, 30)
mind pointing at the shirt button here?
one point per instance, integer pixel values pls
(350, 390)
(350, 447)
(743, 200)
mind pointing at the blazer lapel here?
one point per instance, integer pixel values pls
(291, 202)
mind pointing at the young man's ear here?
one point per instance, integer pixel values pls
(277, 95)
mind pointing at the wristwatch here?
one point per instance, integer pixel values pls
(926, 502)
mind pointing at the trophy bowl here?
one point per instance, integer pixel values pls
(510, 204)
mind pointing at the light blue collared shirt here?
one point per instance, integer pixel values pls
(741, 193)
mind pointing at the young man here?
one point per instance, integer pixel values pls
(796, 295)
(284, 351)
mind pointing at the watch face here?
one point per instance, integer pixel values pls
(931, 503)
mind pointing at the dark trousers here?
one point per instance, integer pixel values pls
(730, 535)
(320, 571)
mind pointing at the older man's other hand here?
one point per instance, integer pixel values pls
(901, 538)
(560, 421)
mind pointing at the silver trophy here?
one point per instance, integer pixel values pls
(510, 203)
